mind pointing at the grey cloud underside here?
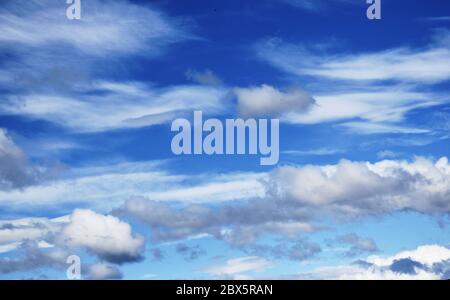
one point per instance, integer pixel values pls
(15, 169)
(298, 197)
(103, 271)
(31, 258)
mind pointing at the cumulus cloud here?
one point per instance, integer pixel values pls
(238, 266)
(103, 271)
(362, 188)
(265, 101)
(425, 262)
(46, 243)
(106, 236)
(298, 198)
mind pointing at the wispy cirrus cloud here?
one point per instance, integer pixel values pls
(414, 65)
(370, 92)
(113, 105)
(107, 27)
(238, 266)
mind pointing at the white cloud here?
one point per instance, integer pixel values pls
(105, 188)
(106, 236)
(314, 152)
(417, 264)
(426, 254)
(372, 92)
(362, 188)
(14, 232)
(361, 273)
(428, 65)
(124, 105)
(237, 266)
(379, 128)
(47, 242)
(265, 100)
(377, 106)
(105, 27)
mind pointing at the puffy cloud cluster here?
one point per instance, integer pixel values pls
(353, 189)
(297, 200)
(106, 236)
(425, 262)
(48, 243)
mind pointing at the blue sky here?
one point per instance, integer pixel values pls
(362, 186)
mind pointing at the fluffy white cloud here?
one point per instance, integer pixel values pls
(40, 242)
(426, 255)
(424, 262)
(106, 236)
(296, 200)
(362, 188)
(265, 100)
(361, 273)
(238, 266)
